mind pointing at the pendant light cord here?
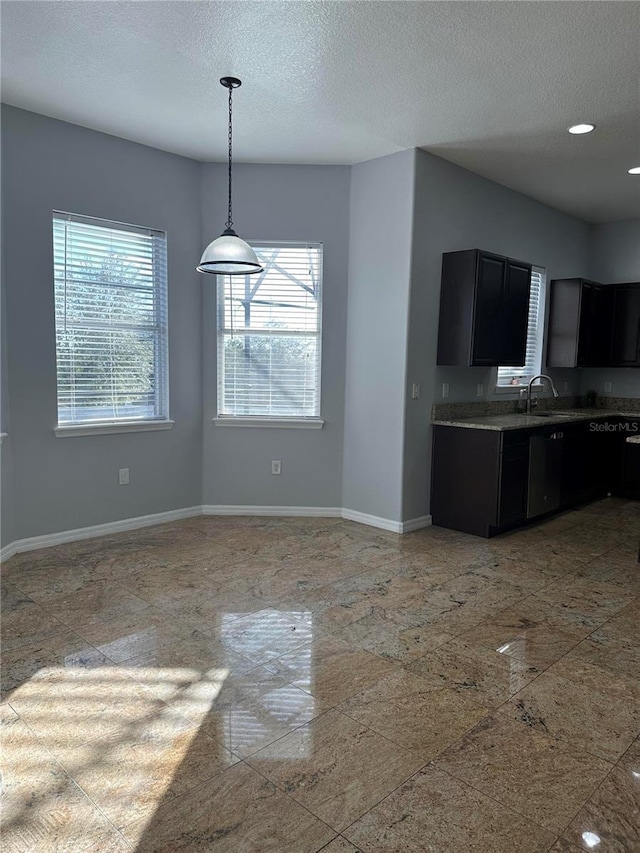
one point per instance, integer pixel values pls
(229, 214)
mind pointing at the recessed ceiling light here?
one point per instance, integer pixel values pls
(635, 170)
(582, 128)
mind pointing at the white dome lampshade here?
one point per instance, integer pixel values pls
(229, 255)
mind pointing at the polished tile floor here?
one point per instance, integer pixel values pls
(258, 685)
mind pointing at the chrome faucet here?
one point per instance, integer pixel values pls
(533, 401)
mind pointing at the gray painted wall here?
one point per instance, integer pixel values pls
(615, 251)
(615, 257)
(379, 272)
(384, 225)
(61, 484)
(6, 450)
(294, 203)
(456, 209)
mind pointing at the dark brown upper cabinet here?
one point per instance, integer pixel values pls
(484, 310)
(580, 323)
(625, 351)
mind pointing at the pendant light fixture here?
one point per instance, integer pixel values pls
(228, 254)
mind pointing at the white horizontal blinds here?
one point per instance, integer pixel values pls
(111, 320)
(534, 334)
(269, 335)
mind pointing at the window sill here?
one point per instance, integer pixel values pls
(516, 389)
(109, 428)
(271, 423)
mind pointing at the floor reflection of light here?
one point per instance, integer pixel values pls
(132, 645)
(591, 839)
(267, 632)
(516, 647)
(131, 736)
(111, 733)
(259, 718)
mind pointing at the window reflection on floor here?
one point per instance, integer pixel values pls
(130, 646)
(263, 713)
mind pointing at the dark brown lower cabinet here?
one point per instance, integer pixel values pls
(480, 478)
(630, 462)
(631, 481)
(465, 475)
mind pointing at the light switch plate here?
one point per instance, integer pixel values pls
(445, 389)
(608, 387)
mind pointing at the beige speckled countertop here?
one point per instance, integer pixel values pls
(633, 439)
(517, 421)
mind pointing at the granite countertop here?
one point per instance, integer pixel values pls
(633, 439)
(518, 421)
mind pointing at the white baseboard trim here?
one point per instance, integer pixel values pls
(416, 523)
(301, 511)
(387, 523)
(33, 543)
(8, 551)
(372, 520)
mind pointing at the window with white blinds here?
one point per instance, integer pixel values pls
(269, 335)
(111, 321)
(535, 331)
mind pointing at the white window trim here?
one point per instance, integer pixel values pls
(164, 421)
(263, 421)
(103, 428)
(269, 423)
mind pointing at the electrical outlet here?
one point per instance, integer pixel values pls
(445, 389)
(415, 391)
(565, 386)
(276, 467)
(123, 477)
(608, 387)
(480, 389)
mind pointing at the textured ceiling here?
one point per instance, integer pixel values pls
(489, 85)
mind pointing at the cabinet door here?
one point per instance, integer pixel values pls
(626, 326)
(584, 356)
(596, 317)
(630, 457)
(487, 317)
(601, 324)
(579, 467)
(515, 315)
(514, 475)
